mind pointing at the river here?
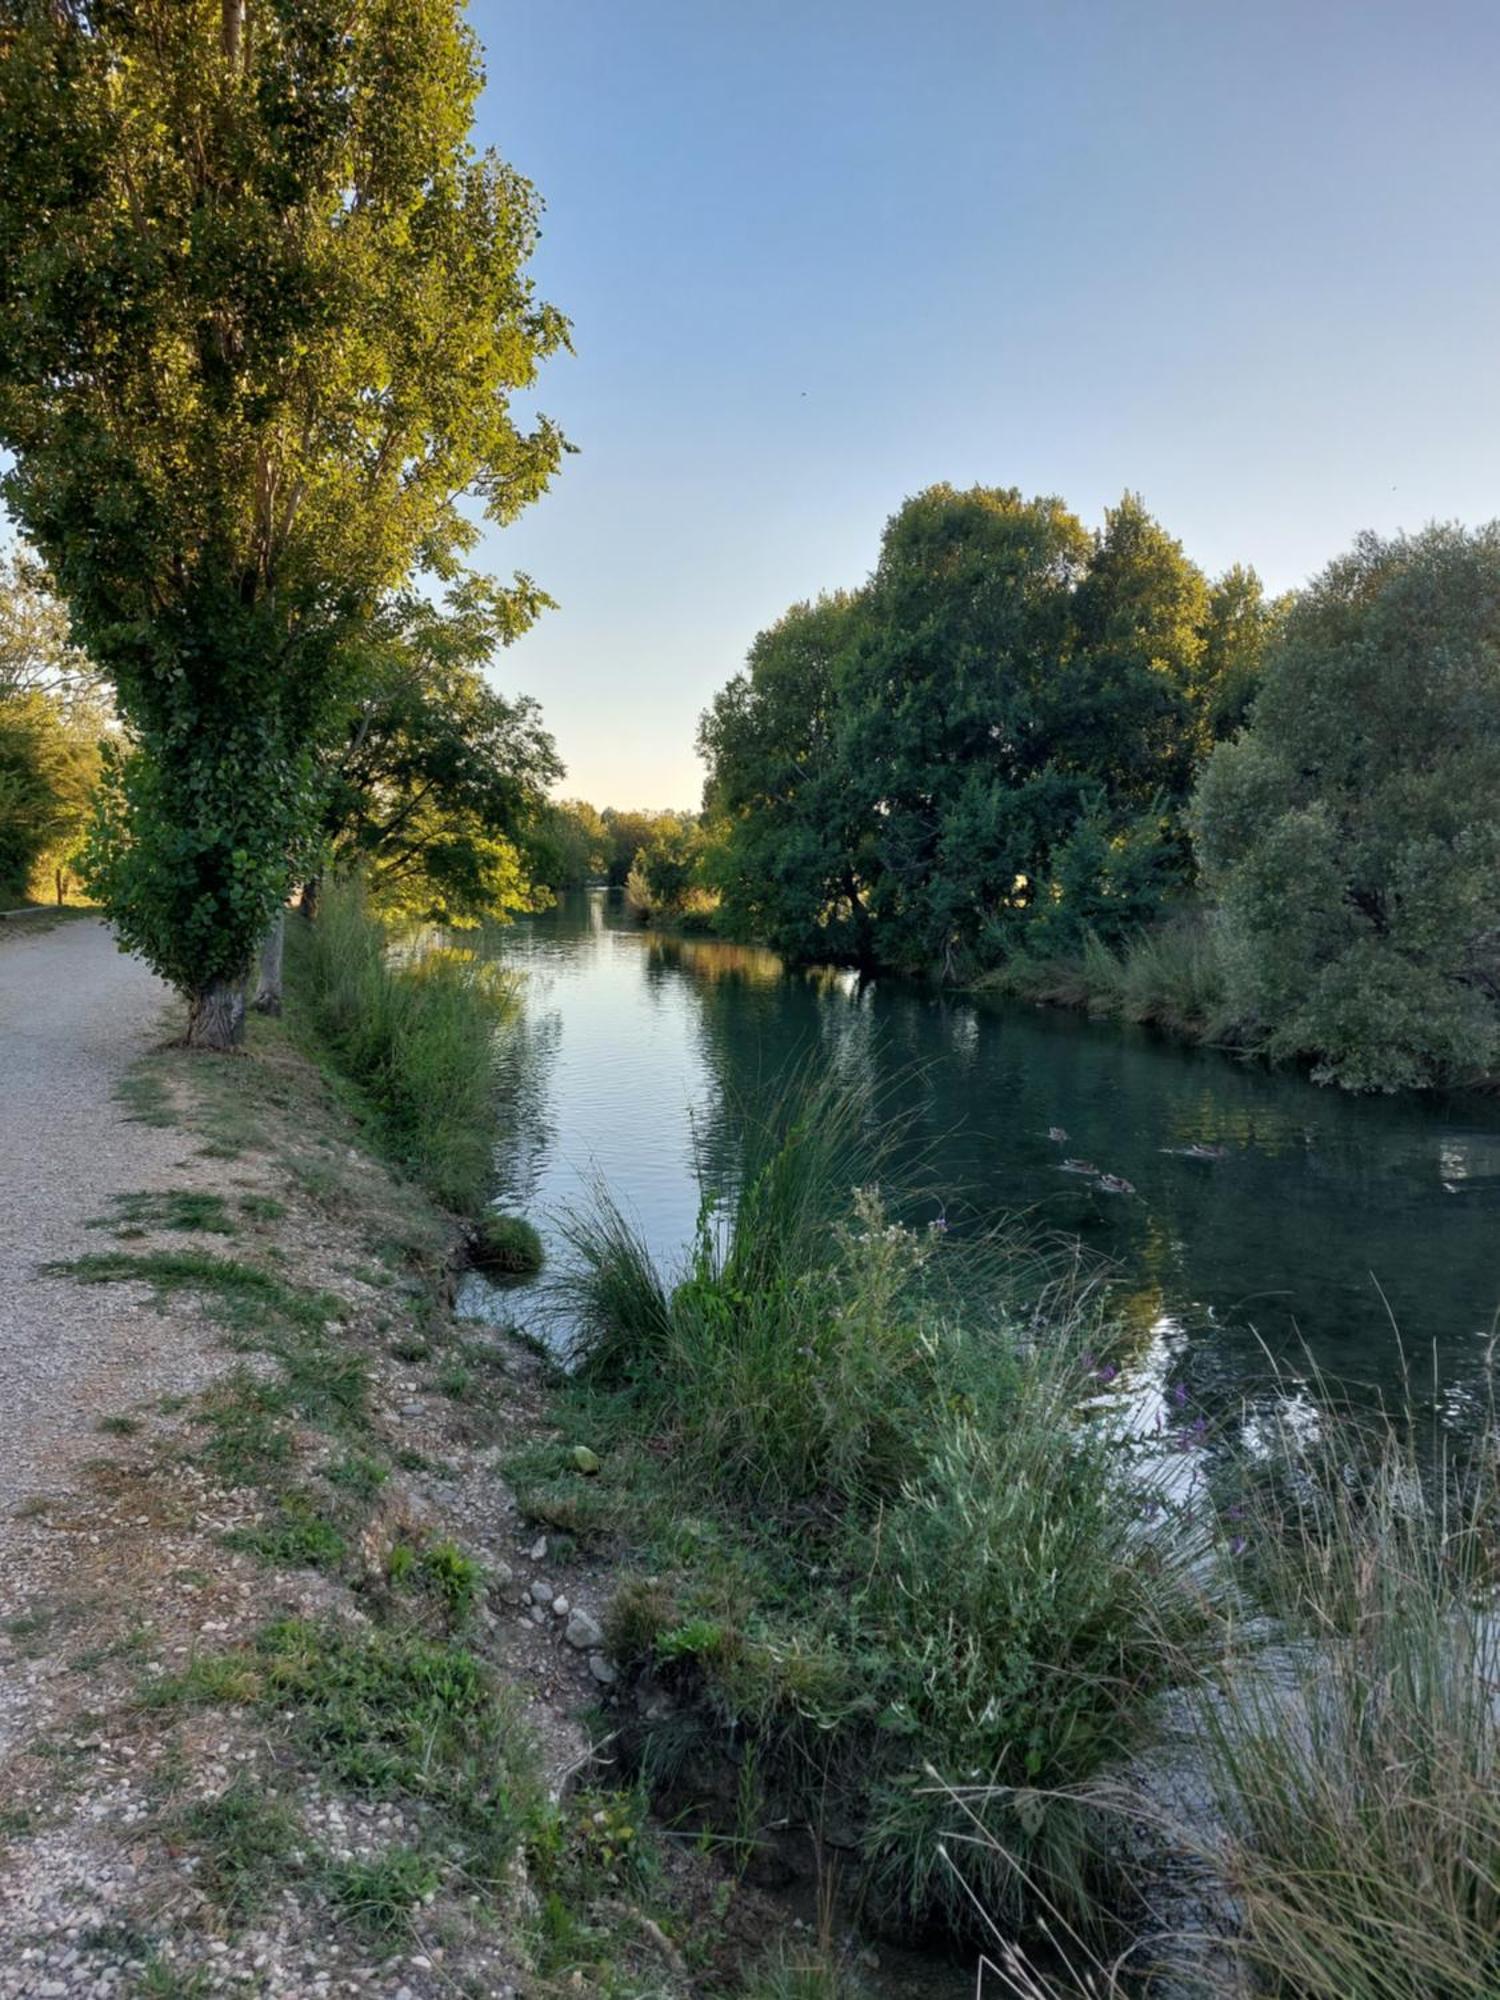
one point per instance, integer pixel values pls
(1356, 1237)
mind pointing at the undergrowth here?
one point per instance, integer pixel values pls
(415, 1034)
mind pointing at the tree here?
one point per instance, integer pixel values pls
(262, 314)
(666, 875)
(628, 832)
(568, 844)
(796, 853)
(1351, 831)
(51, 719)
(437, 783)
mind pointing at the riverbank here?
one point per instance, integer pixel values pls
(910, 1607)
(289, 1709)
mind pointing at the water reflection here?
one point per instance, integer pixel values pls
(1309, 1228)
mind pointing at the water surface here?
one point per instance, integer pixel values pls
(1364, 1233)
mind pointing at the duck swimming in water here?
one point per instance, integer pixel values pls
(1057, 1135)
(1115, 1184)
(1079, 1167)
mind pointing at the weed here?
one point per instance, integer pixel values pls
(248, 1845)
(377, 1895)
(398, 1715)
(357, 1474)
(296, 1536)
(262, 1207)
(118, 1426)
(184, 1209)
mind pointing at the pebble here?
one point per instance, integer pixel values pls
(538, 1549)
(602, 1671)
(560, 1606)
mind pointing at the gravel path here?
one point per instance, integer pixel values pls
(74, 1015)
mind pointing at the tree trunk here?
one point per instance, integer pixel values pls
(233, 31)
(268, 989)
(216, 1015)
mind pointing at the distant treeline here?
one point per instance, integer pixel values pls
(1068, 762)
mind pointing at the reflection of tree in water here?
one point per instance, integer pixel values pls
(526, 1057)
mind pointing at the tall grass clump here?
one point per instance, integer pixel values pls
(887, 1543)
(1356, 1762)
(1170, 977)
(416, 1033)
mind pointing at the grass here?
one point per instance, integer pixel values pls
(184, 1209)
(391, 1714)
(416, 1035)
(507, 1245)
(881, 1536)
(246, 1842)
(1356, 1766)
(1169, 977)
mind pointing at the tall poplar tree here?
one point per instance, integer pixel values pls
(262, 312)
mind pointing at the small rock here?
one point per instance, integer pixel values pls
(584, 1632)
(602, 1671)
(538, 1549)
(560, 1607)
(541, 1593)
(586, 1461)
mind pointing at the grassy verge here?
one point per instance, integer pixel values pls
(416, 1037)
(1168, 978)
(881, 1553)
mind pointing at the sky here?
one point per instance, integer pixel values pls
(1239, 256)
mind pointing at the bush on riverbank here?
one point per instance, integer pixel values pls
(417, 1035)
(886, 1552)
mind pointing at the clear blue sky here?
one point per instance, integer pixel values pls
(1238, 255)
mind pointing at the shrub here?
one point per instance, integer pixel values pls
(895, 1543)
(506, 1245)
(416, 1033)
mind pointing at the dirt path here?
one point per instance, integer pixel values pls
(75, 1013)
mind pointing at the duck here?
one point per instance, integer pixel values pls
(1057, 1135)
(1079, 1167)
(1115, 1184)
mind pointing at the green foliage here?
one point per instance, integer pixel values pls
(508, 1245)
(434, 790)
(883, 1538)
(402, 1716)
(666, 877)
(263, 316)
(569, 845)
(1350, 833)
(51, 720)
(378, 1894)
(986, 749)
(417, 1034)
(245, 1843)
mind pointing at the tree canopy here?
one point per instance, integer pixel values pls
(988, 747)
(437, 783)
(1351, 833)
(262, 313)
